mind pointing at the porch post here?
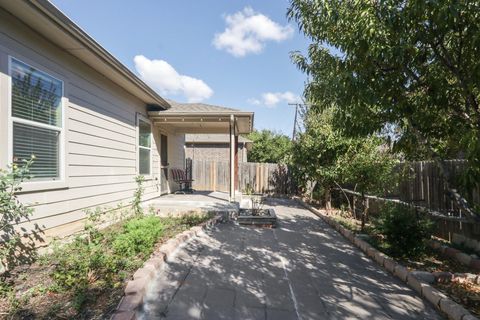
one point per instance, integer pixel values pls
(237, 185)
(232, 158)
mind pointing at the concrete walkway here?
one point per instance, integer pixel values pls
(301, 270)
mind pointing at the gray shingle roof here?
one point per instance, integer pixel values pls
(213, 138)
(196, 107)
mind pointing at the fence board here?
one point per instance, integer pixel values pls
(268, 178)
(426, 188)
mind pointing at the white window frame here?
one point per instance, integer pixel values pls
(37, 185)
(141, 117)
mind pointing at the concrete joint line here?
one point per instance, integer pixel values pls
(180, 283)
(442, 302)
(292, 294)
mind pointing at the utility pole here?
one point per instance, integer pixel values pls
(294, 120)
(296, 125)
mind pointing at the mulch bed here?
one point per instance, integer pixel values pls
(29, 292)
(34, 296)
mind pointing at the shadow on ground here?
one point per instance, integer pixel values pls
(301, 270)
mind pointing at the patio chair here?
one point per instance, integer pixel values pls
(179, 176)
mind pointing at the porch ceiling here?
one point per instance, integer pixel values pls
(201, 118)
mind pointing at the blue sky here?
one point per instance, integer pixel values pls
(229, 53)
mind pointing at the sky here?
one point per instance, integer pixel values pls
(229, 53)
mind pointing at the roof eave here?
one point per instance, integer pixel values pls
(101, 57)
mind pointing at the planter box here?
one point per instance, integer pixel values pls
(266, 218)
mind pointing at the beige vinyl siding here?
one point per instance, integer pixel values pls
(100, 133)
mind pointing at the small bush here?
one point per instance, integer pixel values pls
(81, 262)
(139, 236)
(17, 246)
(137, 196)
(405, 230)
(190, 220)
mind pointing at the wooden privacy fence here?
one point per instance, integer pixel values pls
(445, 225)
(268, 178)
(424, 187)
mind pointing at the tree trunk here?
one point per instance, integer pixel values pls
(354, 208)
(328, 200)
(346, 197)
(364, 212)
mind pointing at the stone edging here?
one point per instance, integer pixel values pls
(453, 310)
(456, 254)
(136, 288)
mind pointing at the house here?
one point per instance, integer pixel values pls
(214, 147)
(92, 124)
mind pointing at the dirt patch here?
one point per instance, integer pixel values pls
(465, 293)
(31, 291)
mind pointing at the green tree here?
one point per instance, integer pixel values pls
(370, 168)
(410, 64)
(316, 152)
(268, 146)
(325, 156)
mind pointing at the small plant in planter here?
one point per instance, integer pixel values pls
(252, 212)
(257, 205)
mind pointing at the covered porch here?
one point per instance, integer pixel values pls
(185, 118)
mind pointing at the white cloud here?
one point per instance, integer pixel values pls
(271, 99)
(247, 31)
(161, 76)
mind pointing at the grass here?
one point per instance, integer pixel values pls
(84, 279)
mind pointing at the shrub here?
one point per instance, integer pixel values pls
(191, 220)
(137, 196)
(16, 245)
(139, 236)
(81, 262)
(404, 229)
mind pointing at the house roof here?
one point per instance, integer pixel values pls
(201, 118)
(197, 108)
(43, 17)
(213, 138)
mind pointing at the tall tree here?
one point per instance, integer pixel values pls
(325, 156)
(411, 64)
(316, 152)
(268, 146)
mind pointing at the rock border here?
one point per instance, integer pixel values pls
(456, 254)
(415, 279)
(466, 241)
(136, 288)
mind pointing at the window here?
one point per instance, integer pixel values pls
(36, 115)
(144, 147)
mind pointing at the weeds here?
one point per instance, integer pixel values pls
(138, 236)
(137, 196)
(16, 246)
(94, 264)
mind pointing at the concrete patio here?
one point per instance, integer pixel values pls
(205, 201)
(301, 270)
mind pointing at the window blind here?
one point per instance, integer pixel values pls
(37, 120)
(43, 143)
